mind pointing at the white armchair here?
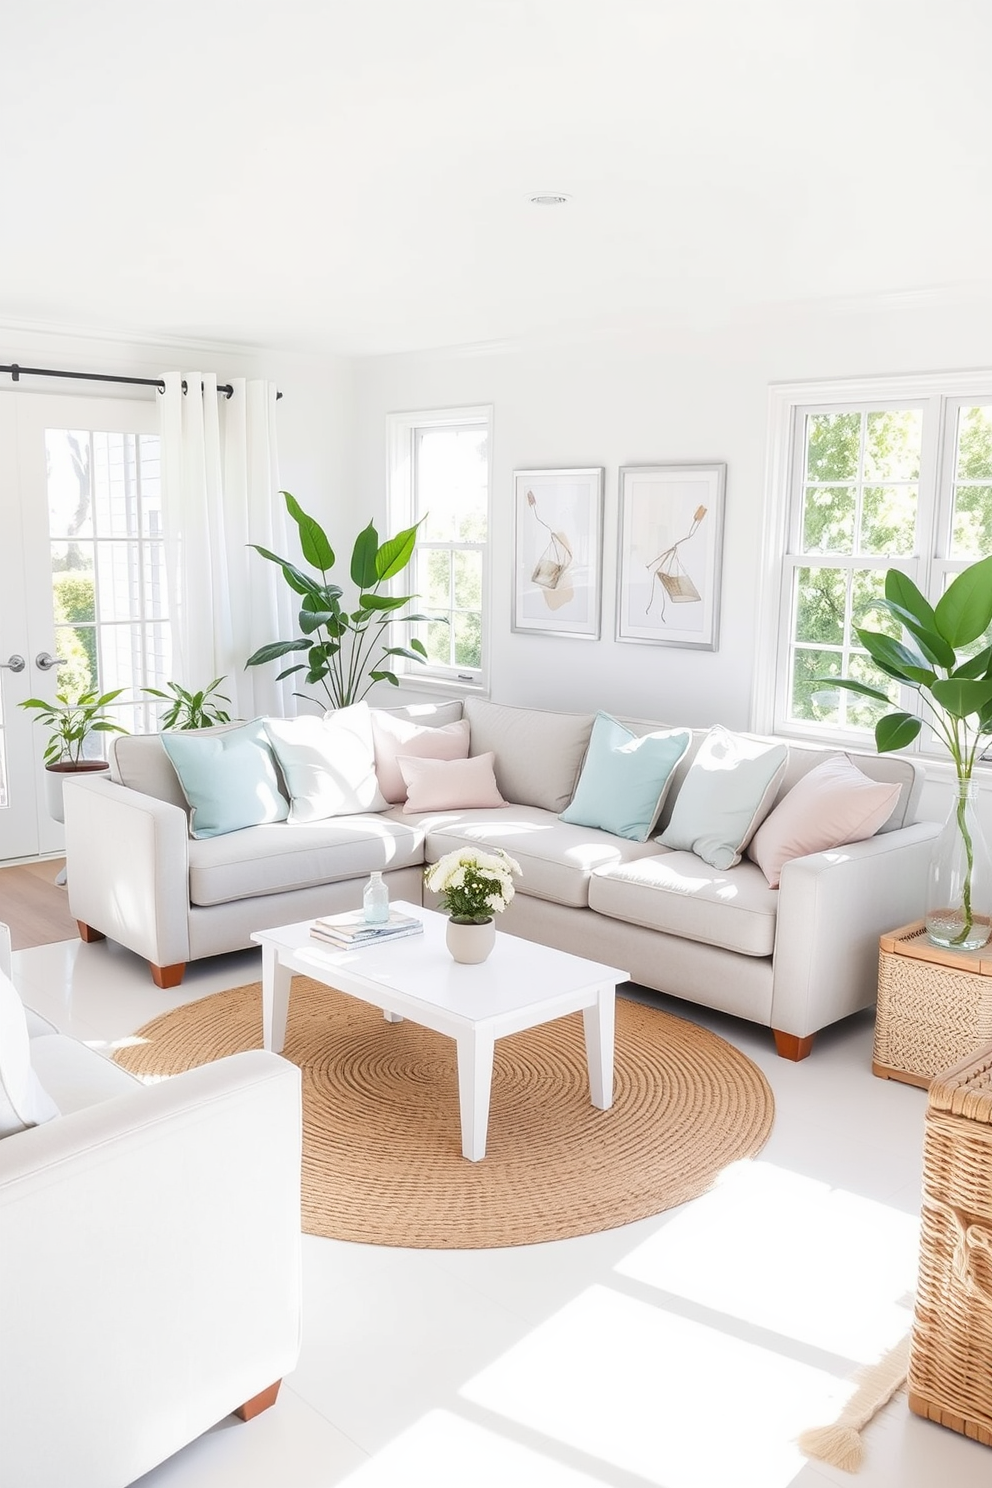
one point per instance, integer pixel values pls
(149, 1261)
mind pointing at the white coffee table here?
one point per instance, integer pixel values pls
(520, 986)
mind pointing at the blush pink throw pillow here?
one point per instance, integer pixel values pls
(395, 736)
(450, 785)
(833, 804)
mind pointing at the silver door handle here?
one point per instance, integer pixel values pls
(46, 662)
(15, 663)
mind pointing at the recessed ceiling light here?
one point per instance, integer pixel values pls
(548, 199)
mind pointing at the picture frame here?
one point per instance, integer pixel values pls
(557, 552)
(670, 554)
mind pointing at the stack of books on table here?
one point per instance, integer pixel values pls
(352, 929)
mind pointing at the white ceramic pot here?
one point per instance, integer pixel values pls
(470, 942)
(55, 776)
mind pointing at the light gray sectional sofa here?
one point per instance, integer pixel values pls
(794, 958)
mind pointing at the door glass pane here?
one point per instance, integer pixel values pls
(109, 595)
(69, 458)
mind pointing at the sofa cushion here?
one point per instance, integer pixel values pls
(832, 804)
(229, 779)
(139, 762)
(24, 1100)
(556, 859)
(538, 754)
(725, 796)
(328, 763)
(285, 855)
(625, 778)
(678, 893)
(394, 736)
(449, 784)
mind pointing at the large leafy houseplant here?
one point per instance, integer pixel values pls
(955, 686)
(340, 639)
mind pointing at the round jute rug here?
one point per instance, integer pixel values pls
(382, 1156)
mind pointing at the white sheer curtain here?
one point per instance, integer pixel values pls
(220, 492)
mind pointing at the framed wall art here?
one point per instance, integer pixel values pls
(557, 551)
(670, 552)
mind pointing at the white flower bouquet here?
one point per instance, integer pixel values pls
(473, 885)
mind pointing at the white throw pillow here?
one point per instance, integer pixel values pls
(328, 763)
(394, 736)
(724, 798)
(23, 1101)
(450, 785)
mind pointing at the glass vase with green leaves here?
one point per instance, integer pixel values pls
(937, 659)
(341, 638)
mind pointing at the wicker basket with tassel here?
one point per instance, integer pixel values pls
(950, 1369)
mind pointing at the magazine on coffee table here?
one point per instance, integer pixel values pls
(352, 929)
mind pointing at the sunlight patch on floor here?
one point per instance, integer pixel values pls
(790, 1254)
(443, 1450)
(675, 1401)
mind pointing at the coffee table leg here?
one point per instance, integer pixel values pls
(276, 982)
(599, 1021)
(475, 1079)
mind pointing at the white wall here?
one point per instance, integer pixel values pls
(653, 396)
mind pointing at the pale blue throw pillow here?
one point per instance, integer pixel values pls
(625, 778)
(725, 797)
(229, 778)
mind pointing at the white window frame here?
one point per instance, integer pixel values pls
(401, 434)
(940, 395)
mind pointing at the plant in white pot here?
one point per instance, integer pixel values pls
(472, 886)
(72, 720)
(954, 683)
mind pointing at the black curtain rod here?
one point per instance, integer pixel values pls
(16, 373)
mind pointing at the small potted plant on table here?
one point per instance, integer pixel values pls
(472, 886)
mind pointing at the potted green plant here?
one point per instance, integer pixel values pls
(340, 639)
(192, 710)
(937, 660)
(472, 886)
(72, 720)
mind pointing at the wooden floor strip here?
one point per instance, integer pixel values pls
(34, 906)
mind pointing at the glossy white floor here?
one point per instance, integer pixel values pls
(685, 1351)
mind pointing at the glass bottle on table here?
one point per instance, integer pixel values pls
(375, 901)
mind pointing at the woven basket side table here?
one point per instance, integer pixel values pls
(950, 1367)
(934, 1006)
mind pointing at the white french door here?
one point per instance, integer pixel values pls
(82, 580)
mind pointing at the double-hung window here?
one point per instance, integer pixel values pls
(881, 475)
(439, 465)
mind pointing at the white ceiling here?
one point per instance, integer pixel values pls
(352, 175)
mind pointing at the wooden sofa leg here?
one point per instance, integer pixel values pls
(790, 1046)
(87, 933)
(259, 1402)
(167, 976)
